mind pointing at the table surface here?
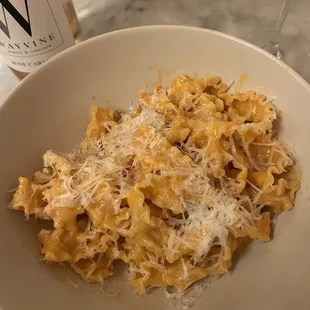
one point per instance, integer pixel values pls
(248, 19)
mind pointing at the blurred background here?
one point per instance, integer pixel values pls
(252, 20)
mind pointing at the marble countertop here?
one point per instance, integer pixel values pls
(248, 19)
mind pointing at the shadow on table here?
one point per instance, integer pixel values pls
(225, 16)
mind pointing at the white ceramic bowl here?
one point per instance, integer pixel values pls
(50, 109)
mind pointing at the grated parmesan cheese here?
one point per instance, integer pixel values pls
(173, 213)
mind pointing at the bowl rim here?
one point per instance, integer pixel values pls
(131, 30)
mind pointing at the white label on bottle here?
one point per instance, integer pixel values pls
(32, 31)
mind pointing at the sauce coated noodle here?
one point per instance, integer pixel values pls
(172, 188)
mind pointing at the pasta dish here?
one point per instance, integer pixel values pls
(173, 188)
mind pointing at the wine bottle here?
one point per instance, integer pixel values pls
(33, 31)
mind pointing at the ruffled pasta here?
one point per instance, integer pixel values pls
(173, 189)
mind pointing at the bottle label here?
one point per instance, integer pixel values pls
(32, 31)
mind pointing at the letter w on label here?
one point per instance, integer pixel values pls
(8, 7)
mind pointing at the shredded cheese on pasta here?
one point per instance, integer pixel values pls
(172, 188)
